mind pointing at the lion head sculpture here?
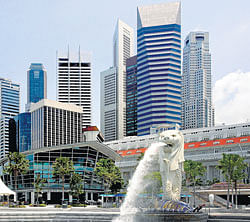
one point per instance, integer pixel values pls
(173, 148)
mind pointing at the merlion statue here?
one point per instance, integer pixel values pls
(171, 160)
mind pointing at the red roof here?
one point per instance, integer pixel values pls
(90, 128)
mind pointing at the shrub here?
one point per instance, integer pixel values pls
(79, 205)
(17, 206)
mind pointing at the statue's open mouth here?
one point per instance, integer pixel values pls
(170, 144)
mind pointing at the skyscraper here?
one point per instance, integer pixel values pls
(54, 124)
(123, 48)
(20, 133)
(123, 45)
(74, 82)
(9, 107)
(197, 110)
(131, 96)
(109, 106)
(158, 66)
(36, 83)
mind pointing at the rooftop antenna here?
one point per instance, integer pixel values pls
(79, 53)
(68, 51)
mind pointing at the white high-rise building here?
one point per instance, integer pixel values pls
(54, 124)
(109, 104)
(9, 107)
(74, 82)
(123, 48)
(197, 109)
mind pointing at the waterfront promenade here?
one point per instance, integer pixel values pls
(96, 214)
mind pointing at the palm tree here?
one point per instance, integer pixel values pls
(17, 165)
(62, 167)
(193, 171)
(238, 174)
(226, 167)
(38, 184)
(232, 167)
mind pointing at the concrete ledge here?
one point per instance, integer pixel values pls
(171, 217)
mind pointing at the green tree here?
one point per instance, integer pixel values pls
(62, 167)
(155, 181)
(193, 171)
(110, 173)
(38, 184)
(76, 186)
(238, 173)
(17, 165)
(232, 167)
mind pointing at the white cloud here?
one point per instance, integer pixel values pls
(231, 96)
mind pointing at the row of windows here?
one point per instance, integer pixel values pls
(156, 51)
(158, 61)
(152, 81)
(154, 91)
(159, 111)
(143, 38)
(158, 40)
(158, 107)
(160, 28)
(158, 86)
(157, 71)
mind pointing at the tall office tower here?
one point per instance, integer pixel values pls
(113, 84)
(131, 96)
(158, 66)
(197, 110)
(74, 82)
(54, 124)
(20, 133)
(36, 83)
(123, 48)
(9, 107)
(109, 105)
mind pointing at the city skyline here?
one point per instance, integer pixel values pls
(28, 40)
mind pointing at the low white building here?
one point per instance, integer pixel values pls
(204, 144)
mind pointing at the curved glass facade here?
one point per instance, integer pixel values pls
(84, 158)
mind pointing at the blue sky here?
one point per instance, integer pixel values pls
(33, 30)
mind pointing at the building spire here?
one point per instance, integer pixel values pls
(68, 50)
(79, 53)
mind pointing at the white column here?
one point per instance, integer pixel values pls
(26, 196)
(208, 173)
(86, 195)
(48, 195)
(32, 197)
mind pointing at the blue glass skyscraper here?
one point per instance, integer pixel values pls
(158, 66)
(9, 107)
(131, 96)
(37, 83)
(23, 131)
